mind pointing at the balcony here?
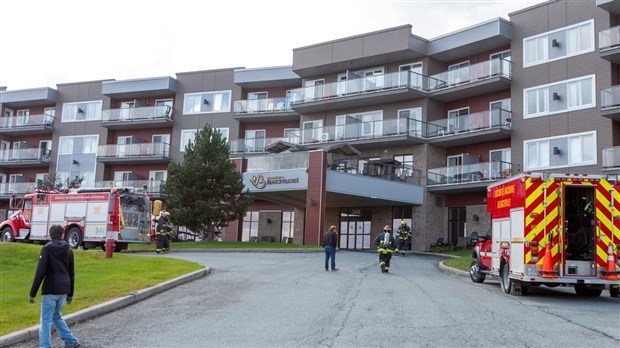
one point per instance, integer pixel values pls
(611, 158)
(17, 188)
(611, 6)
(25, 98)
(470, 129)
(164, 86)
(359, 91)
(21, 158)
(470, 81)
(468, 177)
(610, 103)
(359, 134)
(27, 124)
(264, 110)
(155, 188)
(609, 44)
(134, 153)
(137, 118)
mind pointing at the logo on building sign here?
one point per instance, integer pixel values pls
(260, 182)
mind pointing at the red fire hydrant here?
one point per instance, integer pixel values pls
(109, 247)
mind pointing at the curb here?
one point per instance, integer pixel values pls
(107, 307)
(230, 251)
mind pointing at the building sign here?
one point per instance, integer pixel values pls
(279, 181)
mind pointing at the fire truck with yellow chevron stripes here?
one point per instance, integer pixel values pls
(551, 230)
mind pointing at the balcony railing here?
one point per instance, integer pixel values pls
(496, 118)
(277, 162)
(262, 105)
(145, 113)
(611, 157)
(31, 154)
(355, 85)
(471, 73)
(17, 188)
(18, 122)
(134, 150)
(610, 97)
(251, 145)
(608, 39)
(152, 186)
(363, 131)
(468, 173)
(392, 172)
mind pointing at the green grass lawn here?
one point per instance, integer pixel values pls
(223, 245)
(462, 262)
(97, 280)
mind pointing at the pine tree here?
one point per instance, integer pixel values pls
(205, 191)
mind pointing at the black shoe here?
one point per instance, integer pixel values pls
(326, 270)
(335, 269)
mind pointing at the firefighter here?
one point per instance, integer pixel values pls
(404, 237)
(586, 211)
(163, 233)
(386, 245)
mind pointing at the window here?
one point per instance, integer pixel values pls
(406, 165)
(557, 44)
(412, 73)
(81, 111)
(458, 73)
(458, 120)
(575, 94)
(163, 107)
(22, 117)
(206, 102)
(188, 135)
(249, 231)
(255, 140)
(49, 114)
(500, 63)
(291, 135)
(311, 131)
(288, 226)
(561, 151)
(409, 121)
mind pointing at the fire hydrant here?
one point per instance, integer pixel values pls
(109, 247)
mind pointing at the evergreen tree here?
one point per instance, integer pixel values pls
(205, 191)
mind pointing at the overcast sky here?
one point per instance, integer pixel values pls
(47, 42)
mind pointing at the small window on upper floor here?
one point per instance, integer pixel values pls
(206, 102)
(557, 44)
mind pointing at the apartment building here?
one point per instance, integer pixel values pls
(359, 132)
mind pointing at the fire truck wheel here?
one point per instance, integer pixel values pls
(7, 235)
(475, 272)
(505, 282)
(584, 290)
(74, 238)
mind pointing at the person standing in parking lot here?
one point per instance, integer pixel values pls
(330, 242)
(56, 271)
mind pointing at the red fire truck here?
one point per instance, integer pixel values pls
(90, 216)
(551, 230)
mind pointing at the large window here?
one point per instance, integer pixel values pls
(81, 111)
(409, 121)
(562, 151)
(288, 226)
(188, 135)
(559, 97)
(557, 44)
(206, 102)
(77, 158)
(249, 232)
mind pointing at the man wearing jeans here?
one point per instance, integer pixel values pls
(330, 241)
(55, 270)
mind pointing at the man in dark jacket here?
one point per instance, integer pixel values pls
(330, 242)
(386, 245)
(56, 271)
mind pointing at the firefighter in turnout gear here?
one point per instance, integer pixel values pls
(404, 237)
(386, 245)
(163, 232)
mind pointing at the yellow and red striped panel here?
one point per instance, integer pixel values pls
(605, 223)
(537, 223)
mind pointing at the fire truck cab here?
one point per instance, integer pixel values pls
(90, 216)
(552, 230)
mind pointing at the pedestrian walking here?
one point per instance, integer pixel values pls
(56, 271)
(330, 242)
(386, 245)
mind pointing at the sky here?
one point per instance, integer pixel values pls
(49, 42)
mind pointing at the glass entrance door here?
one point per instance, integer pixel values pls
(354, 229)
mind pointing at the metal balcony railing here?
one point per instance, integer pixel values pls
(137, 114)
(391, 172)
(364, 130)
(252, 145)
(610, 97)
(134, 150)
(152, 186)
(469, 173)
(496, 118)
(31, 154)
(471, 73)
(611, 157)
(609, 39)
(23, 121)
(294, 160)
(262, 105)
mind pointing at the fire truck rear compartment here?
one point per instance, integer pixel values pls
(579, 230)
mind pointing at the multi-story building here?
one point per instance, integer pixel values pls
(360, 132)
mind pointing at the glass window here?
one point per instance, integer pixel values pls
(187, 136)
(580, 95)
(206, 102)
(581, 149)
(65, 146)
(81, 111)
(249, 231)
(90, 144)
(579, 40)
(537, 154)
